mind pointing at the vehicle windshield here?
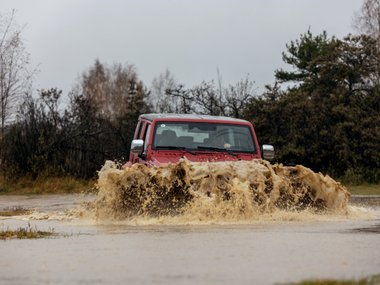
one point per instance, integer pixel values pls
(203, 136)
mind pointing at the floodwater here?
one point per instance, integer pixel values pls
(284, 248)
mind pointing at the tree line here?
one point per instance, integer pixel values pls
(329, 120)
(323, 111)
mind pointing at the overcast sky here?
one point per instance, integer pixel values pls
(191, 38)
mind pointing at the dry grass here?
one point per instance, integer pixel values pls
(364, 189)
(372, 280)
(25, 233)
(16, 211)
(63, 185)
(49, 185)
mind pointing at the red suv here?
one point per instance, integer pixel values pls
(164, 138)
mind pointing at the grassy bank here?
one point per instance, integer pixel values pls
(15, 211)
(25, 233)
(49, 185)
(64, 185)
(372, 280)
(364, 189)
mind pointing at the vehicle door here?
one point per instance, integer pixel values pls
(145, 135)
(133, 158)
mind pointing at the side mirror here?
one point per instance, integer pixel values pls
(268, 152)
(137, 146)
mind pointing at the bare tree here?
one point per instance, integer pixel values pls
(113, 90)
(183, 99)
(367, 21)
(15, 77)
(234, 97)
(208, 99)
(237, 96)
(161, 102)
(105, 106)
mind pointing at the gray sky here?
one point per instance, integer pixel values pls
(190, 38)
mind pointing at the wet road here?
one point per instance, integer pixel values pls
(257, 253)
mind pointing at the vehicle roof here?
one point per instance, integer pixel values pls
(153, 116)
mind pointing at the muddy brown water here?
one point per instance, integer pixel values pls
(286, 247)
(219, 191)
(244, 222)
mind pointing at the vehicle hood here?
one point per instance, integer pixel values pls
(163, 157)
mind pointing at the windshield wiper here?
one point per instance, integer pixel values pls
(230, 152)
(175, 148)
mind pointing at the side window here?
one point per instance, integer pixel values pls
(146, 137)
(138, 130)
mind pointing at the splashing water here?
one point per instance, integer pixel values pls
(215, 191)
